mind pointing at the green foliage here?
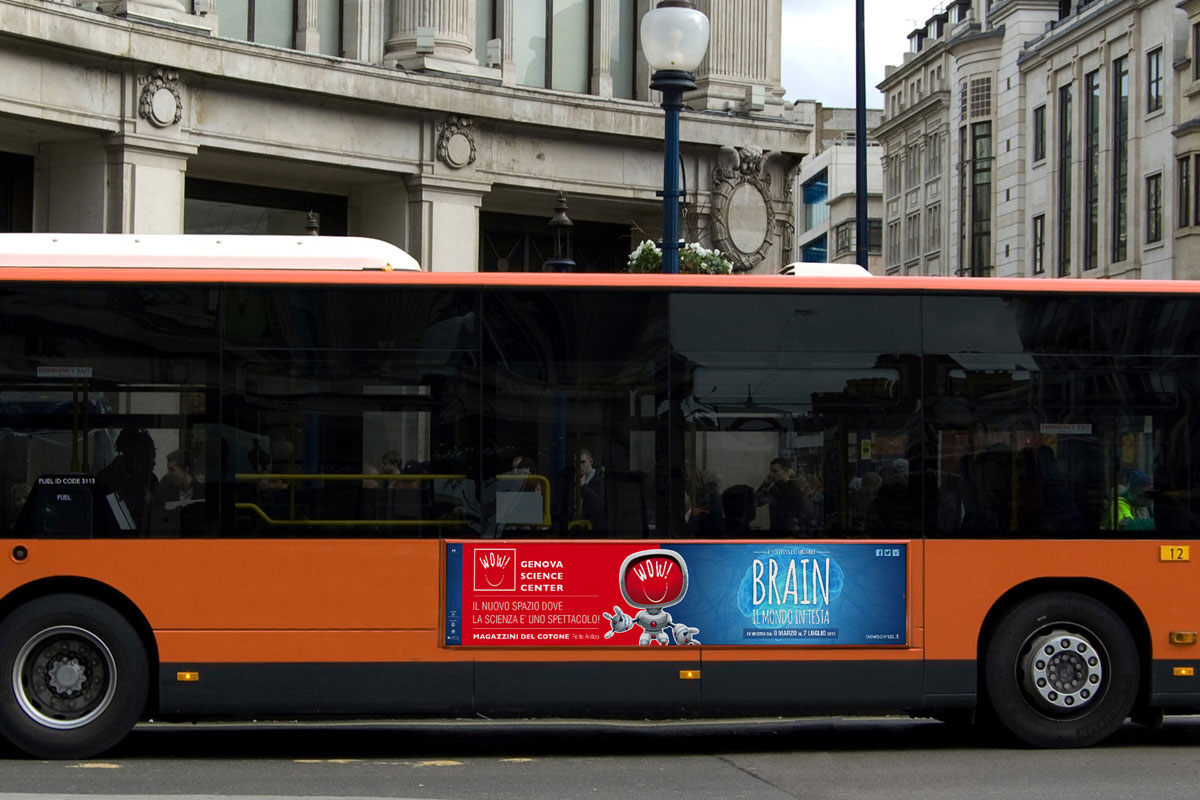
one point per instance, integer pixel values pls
(693, 260)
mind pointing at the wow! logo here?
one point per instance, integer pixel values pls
(654, 578)
(495, 570)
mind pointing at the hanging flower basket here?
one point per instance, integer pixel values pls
(693, 260)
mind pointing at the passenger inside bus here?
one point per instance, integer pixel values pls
(784, 497)
(131, 474)
(178, 505)
(1133, 509)
(591, 502)
(18, 493)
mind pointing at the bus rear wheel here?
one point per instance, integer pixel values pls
(74, 677)
(1061, 670)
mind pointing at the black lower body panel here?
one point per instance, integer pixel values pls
(636, 689)
(245, 690)
(1175, 692)
(807, 687)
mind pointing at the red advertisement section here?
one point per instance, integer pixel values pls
(523, 594)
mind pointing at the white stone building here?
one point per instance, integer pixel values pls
(1046, 138)
(448, 127)
(826, 221)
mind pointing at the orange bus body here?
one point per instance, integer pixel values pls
(203, 603)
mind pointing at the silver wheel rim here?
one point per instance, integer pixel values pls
(64, 677)
(1062, 671)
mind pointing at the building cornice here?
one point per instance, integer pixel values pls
(929, 106)
(1065, 32)
(111, 43)
(1002, 9)
(1187, 128)
(901, 72)
(974, 40)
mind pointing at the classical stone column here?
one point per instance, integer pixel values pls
(741, 71)
(443, 222)
(118, 184)
(308, 37)
(366, 29)
(602, 82)
(504, 31)
(145, 184)
(451, 24)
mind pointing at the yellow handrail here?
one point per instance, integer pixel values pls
(360, 522)
(335, 476)
(291, 477)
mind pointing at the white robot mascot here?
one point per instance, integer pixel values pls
(653, 580)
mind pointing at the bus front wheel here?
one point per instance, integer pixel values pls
(73, 677)
(1061, 670)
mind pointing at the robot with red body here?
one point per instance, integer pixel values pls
(652, 581)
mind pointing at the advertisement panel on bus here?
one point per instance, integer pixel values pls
(609, 594)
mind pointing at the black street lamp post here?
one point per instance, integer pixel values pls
(674, 38)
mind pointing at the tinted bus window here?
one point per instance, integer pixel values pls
(573, 388)
(1033, 443)
(352, 413)
(113, 383)
(1013, 324)
(799, 414)
(748, 322)
(1148, 325)
(1058, 324)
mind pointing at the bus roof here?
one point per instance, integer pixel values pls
(197, 251)
(825, 269)
(348, 260)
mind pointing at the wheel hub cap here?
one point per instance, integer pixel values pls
(64, 677)
(1063, 670)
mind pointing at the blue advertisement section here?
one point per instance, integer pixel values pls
(844, 593)
(454, 593)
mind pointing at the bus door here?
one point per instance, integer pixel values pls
(568, 601)
(798, 420)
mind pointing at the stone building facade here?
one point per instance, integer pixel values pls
(1045, 138)
(826, 215)
(448, 127)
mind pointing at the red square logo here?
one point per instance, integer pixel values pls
(495, 570)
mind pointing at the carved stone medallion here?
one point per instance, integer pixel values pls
(456, 142)
(160, 102)
(743, 211)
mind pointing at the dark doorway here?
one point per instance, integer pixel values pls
(517, 243)
(16, 193)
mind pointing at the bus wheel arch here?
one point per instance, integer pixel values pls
(1062, 663)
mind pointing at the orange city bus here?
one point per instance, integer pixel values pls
(246, 477)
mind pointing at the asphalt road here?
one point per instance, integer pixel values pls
(823, 759)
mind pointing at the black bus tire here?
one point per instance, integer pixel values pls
(1061, 670)
(73, 677)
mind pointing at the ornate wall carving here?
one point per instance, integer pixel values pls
(160, 102)
(743, 211)
(456, 142)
